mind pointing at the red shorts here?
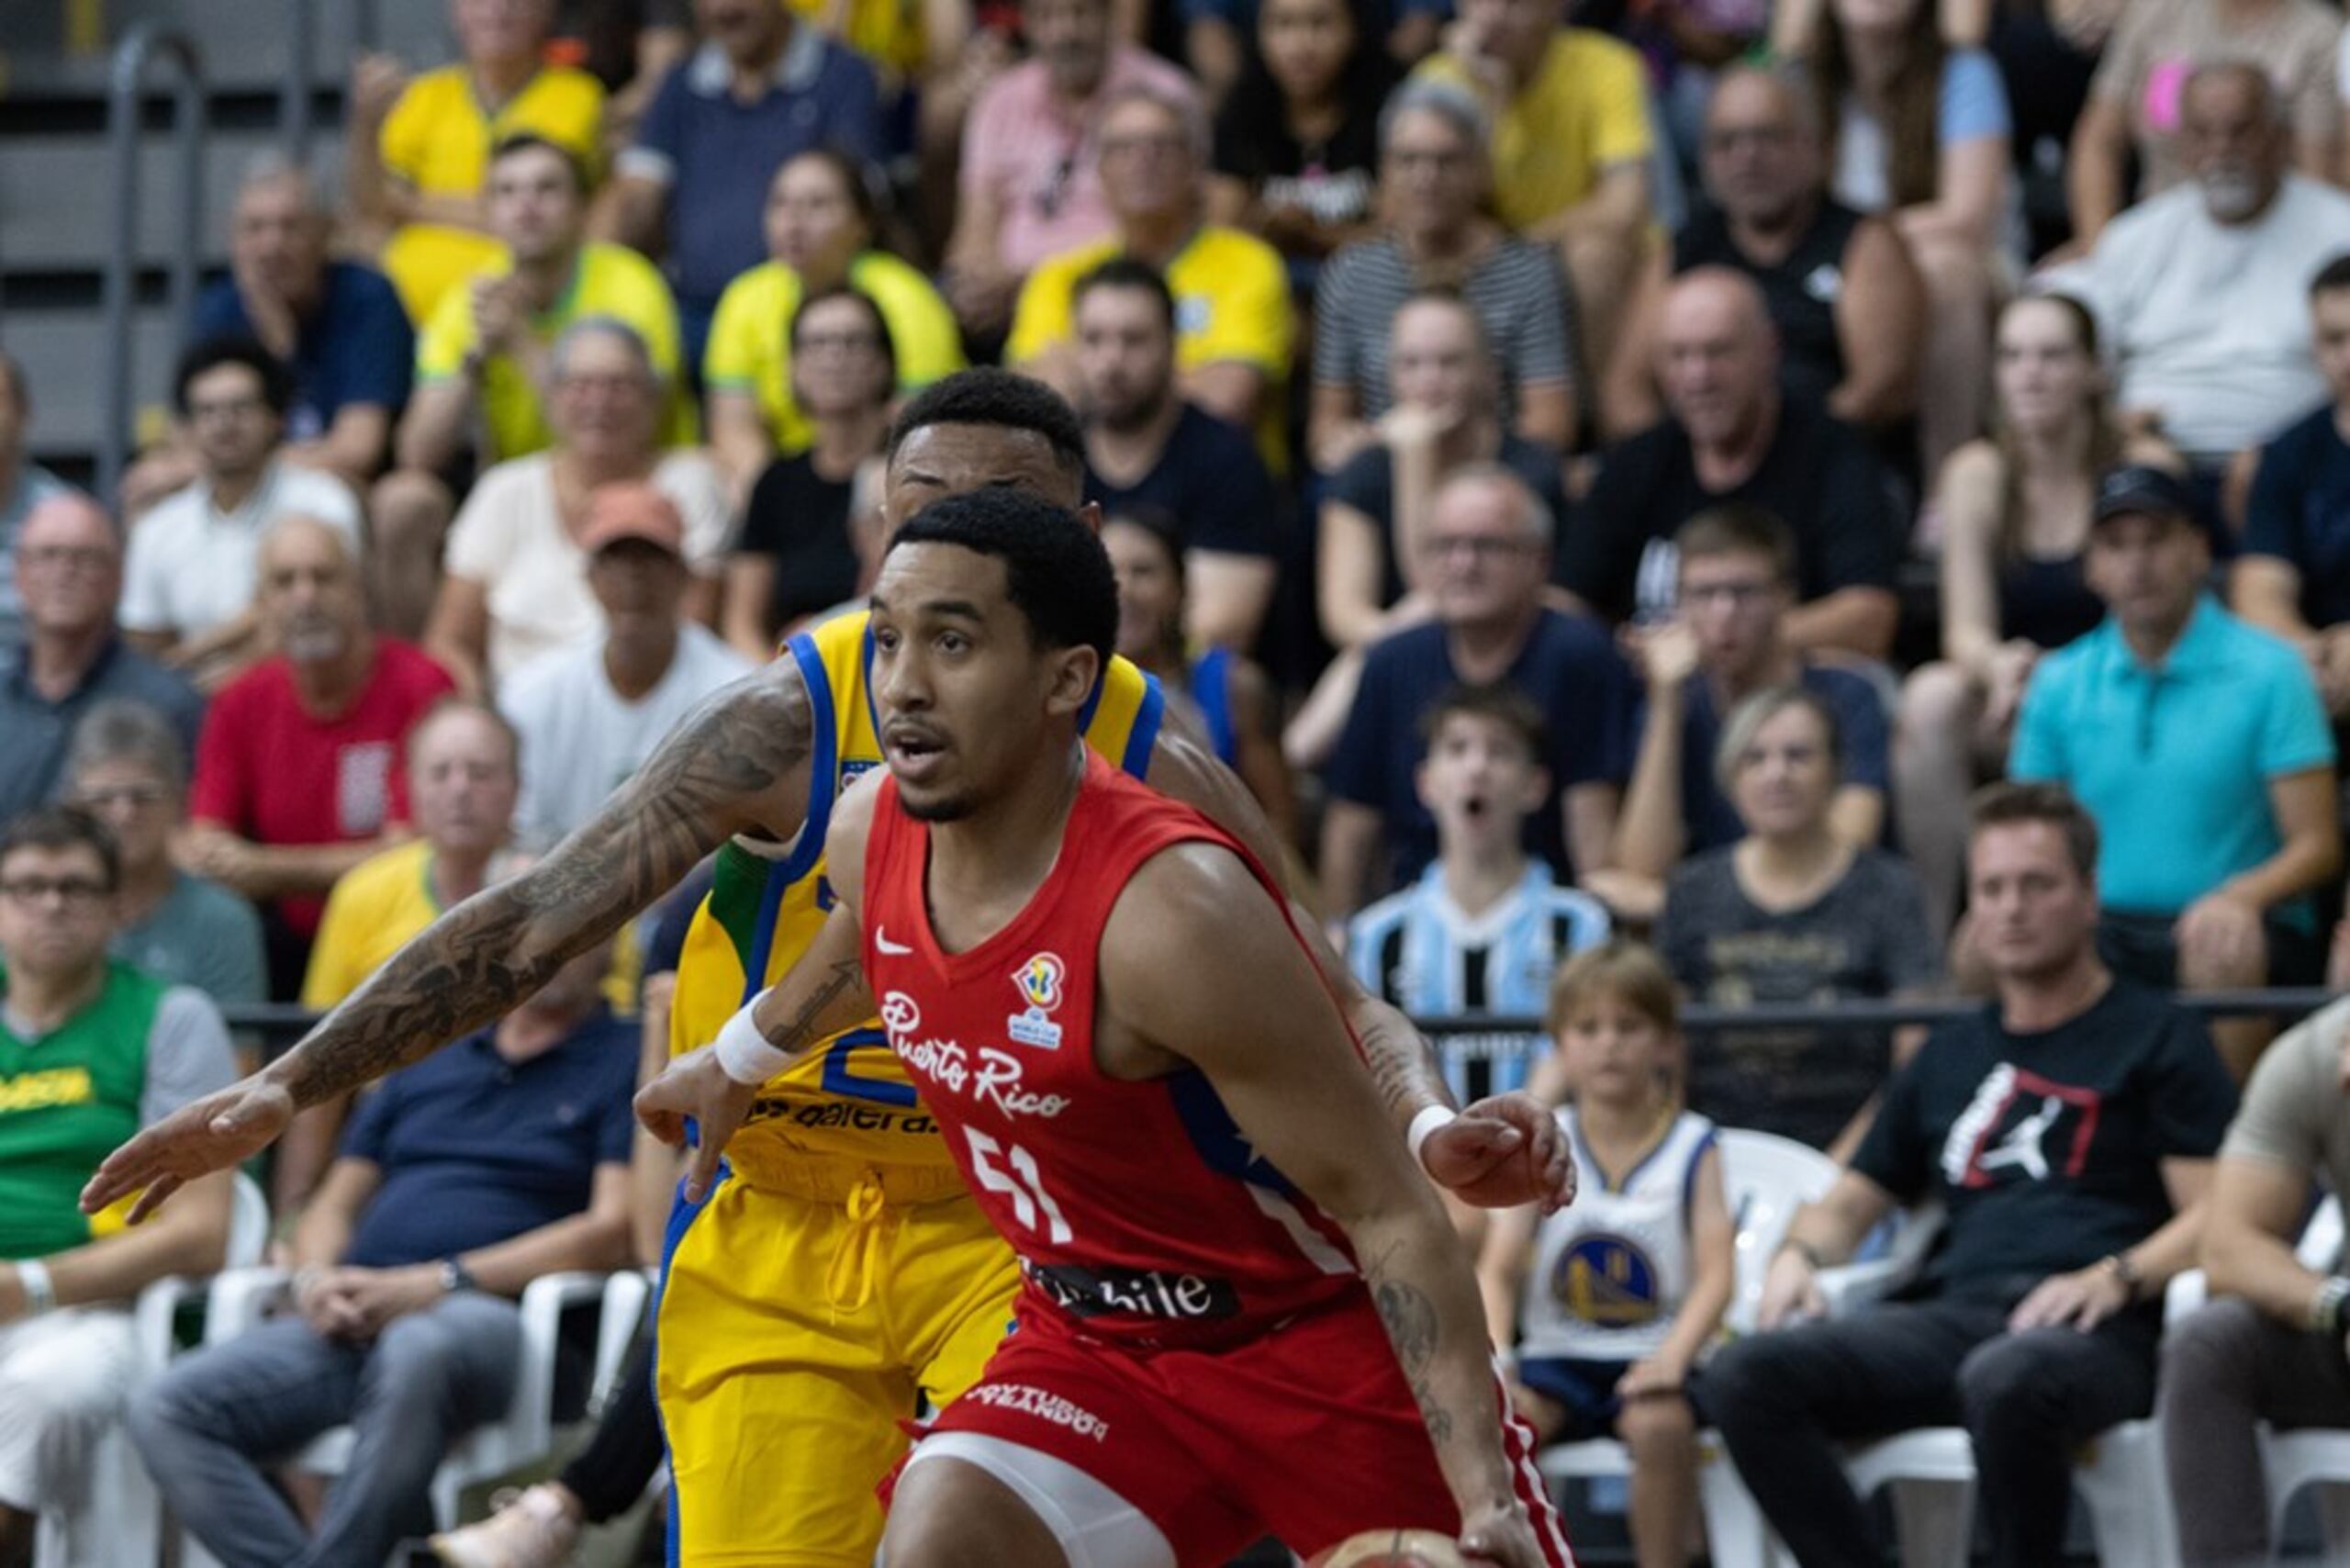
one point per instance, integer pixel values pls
(1309, 1434)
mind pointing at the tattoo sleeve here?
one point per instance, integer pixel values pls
(711, 778)
(1429, 1307)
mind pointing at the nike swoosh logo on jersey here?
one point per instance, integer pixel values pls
(894, 950)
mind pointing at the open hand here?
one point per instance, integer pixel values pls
(2082, 1299)
(1790, 1292)
(215, 1133)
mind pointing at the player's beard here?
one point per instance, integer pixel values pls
(945, 809)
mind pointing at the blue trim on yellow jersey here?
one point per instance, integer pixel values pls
(822, 782)
(1211, 690)
(839, 1080)
(682, 1215)
(1148, 714)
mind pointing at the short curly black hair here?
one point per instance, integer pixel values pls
(1056, 571)
(988, 396)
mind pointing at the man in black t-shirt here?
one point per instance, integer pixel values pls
(2067, 1130)
(1146, 445)
(1733, 436)
(1843, 291)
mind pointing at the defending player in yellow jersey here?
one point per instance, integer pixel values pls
(842, 1267)
(838, 1272)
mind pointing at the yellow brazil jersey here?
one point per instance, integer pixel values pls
(1232, 302)
(887, 33)
(851, 1100)
(750, 337)
(437, 140)
(610, 280)
(1585, 110)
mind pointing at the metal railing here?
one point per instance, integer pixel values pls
(281, 1023)
(297, 93)
(126, 106)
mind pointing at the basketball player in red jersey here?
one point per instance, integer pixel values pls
(1243, 1311)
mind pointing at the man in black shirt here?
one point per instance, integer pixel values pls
(1145, 444)
(2068, 1131)
(1733, 436)
(1842, 289)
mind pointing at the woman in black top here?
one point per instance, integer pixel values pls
(1297, 143)
(2014, 512)
(800, 554)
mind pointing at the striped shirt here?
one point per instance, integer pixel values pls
(1418, 950)
(1515, 288)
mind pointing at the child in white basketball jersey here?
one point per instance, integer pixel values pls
(1610, 1301)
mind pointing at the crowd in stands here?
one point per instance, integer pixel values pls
(1600, 474)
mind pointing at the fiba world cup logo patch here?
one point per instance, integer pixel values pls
(1039, 980)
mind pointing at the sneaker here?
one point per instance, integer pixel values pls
(536, 1529)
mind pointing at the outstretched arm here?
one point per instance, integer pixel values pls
(1505, 1151)
(738, 762)
(1276, 1052)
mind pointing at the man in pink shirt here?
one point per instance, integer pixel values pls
(1030, 187)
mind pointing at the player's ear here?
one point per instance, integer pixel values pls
(1073, 676)
(1090, 514)
(1537, 790)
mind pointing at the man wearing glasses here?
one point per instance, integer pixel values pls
(68, 574)
(1485, 559)
(91, 1050)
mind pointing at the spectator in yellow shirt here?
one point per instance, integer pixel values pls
(1572, 142)
(464, 776)
(1233, 322)
(418, 150)
(482, 360)
(821, 221)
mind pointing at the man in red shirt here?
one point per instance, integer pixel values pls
(298, 776)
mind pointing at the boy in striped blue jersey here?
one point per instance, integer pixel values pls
(1482, 930)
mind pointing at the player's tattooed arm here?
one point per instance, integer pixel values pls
(1410, 1320)
(736, 763)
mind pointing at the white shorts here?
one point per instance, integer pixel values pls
(1095, 1527)
(64, 1378)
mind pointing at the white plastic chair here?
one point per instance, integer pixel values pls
(1930, 1470)
(120, 1522)
(526, 1434)
(1765, 1178)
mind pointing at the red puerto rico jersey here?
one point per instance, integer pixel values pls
(1136, 1208)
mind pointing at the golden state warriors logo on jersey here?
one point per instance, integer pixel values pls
(1607, 1281)
(1039, 980)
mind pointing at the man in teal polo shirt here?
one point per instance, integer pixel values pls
(2199, 744)
(90, 1051)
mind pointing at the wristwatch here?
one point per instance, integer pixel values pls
(455, 1277)
(2127, 1272)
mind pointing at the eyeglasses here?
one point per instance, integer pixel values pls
(63, 558)
(1166, 144)
(1482, 546)
(138, 797)
(73, 892)
(224, 408)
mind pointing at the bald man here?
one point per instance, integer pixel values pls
(67, 569)
(1731, 436)
(1841, 288)
(299, 778)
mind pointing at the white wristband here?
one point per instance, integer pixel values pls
(1424, 1127)
(744, 1053)
(40, 1293)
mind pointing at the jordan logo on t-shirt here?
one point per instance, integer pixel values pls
(2020, 1127)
